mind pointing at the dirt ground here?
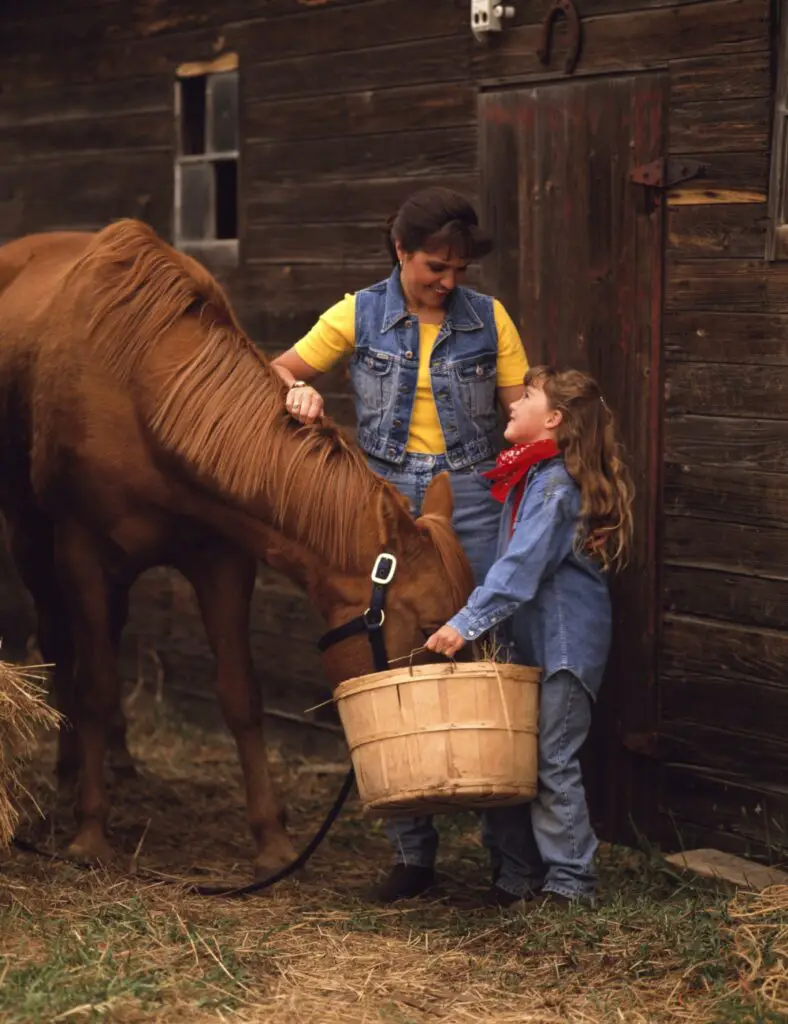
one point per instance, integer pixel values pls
(80, 945)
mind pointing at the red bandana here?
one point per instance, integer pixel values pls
(511, 469)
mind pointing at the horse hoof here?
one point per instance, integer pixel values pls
(273, 858)
(91, 852)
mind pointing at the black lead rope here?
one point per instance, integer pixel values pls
(371, 623)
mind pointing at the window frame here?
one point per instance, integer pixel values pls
(223, 251)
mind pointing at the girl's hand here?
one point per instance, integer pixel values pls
(304, 404)
(446, 641)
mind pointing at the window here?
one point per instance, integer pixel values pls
(206, 165)
(777, 237)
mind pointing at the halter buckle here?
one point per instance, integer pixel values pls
(384, 568)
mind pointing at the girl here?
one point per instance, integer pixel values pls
(567, 521)
(430, 361)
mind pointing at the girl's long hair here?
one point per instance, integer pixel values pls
(593, 457)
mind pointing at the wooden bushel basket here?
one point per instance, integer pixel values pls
(443, 738)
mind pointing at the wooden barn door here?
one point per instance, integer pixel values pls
(578, 263)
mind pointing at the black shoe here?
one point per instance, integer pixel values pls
(494, 898)
(405, 881)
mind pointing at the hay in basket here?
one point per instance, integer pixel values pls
(442, 737)
(23, 712)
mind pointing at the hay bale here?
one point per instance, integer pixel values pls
(23, 713)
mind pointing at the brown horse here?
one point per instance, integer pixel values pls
(139, 426)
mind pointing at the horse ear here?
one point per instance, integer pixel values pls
(439, 497)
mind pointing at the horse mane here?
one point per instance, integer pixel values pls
(223, 411)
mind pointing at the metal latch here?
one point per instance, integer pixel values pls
(664, 173)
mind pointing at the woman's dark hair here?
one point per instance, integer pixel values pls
(436, 219)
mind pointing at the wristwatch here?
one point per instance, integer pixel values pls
(298, 384)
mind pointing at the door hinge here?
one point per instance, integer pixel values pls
(644, 743)
(662, 173)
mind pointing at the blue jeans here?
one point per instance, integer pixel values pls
(476, 519)
(549, 844)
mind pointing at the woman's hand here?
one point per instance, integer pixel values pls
(304, 404)
(446, 641)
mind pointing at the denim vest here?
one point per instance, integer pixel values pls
(463, 372)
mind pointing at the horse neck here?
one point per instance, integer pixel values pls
(214, 404)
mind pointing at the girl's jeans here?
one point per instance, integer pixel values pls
(549, 843)
(476, 518)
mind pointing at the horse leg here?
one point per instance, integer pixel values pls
(223, 580)
(98, 681)
(31, 540)
(121, 761)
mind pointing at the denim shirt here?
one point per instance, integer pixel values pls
(463, 372)
(557, 599)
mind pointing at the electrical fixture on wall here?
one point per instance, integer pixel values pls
(487, 16)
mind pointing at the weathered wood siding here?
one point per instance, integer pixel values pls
(347, 105)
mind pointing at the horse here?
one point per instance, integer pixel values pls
(140, 426)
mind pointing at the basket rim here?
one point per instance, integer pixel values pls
(529, 675)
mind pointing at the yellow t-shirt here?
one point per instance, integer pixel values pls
(334, 336)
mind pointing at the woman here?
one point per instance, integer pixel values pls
(428, 360)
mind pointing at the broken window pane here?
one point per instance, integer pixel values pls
(192, 119)
(226, 183)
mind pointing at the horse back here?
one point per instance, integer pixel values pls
(35, 262)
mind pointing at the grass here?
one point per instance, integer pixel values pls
(85, 946)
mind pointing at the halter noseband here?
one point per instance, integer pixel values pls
(371, 622)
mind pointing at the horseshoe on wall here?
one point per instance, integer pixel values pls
(568, 9)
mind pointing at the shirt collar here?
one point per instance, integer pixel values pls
(460, 314)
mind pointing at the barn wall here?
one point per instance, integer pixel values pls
(346, 106)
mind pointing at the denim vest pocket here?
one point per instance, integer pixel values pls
(476, 380)
(373, 379)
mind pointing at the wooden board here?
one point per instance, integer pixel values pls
(728, 389)
(724, 867)
(738, 229)
(710, 337)
(341, 115)
(331, 28)
(698, 440)
(339, 202)
(730, 76)
(739, 598)
(726, 750)
(734, 547)
(431, 152)
(741, 286)
(427, 61)
(719, 492)
(749, 813)
(89, 193)
(725, 125)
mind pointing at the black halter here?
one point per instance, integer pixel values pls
(371, 622)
